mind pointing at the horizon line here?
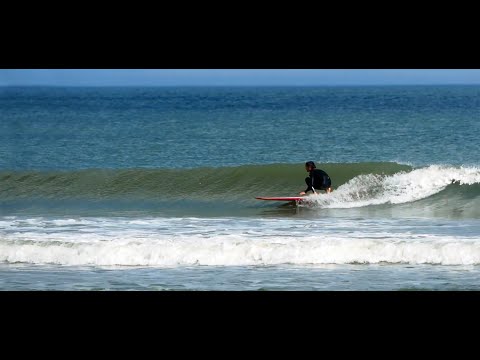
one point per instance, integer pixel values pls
(241, 85)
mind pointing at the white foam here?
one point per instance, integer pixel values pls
(238, 249)
(403, 187)
(164, 242)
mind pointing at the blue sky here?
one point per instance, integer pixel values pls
(232, 77)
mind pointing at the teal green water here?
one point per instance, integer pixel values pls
(380, 188)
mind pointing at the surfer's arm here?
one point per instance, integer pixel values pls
(310, 186)
(305, 192)
(308, 189)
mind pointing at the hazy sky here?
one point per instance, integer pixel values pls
(230, 77)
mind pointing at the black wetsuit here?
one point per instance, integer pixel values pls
(318, 180)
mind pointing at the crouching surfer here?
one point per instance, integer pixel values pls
(317, 180)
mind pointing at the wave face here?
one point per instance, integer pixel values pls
(436, 189)
(237, 182)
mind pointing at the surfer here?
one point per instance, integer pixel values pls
(317, 180)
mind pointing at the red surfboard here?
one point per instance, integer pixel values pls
(285, 198)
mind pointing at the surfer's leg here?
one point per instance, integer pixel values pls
(327, 184)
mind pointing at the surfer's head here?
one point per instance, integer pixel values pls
(310, 165)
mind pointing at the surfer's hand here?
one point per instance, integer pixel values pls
(302, 193)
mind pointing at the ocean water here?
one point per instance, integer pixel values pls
(154, 188)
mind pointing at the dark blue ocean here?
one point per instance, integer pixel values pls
(154, 188)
